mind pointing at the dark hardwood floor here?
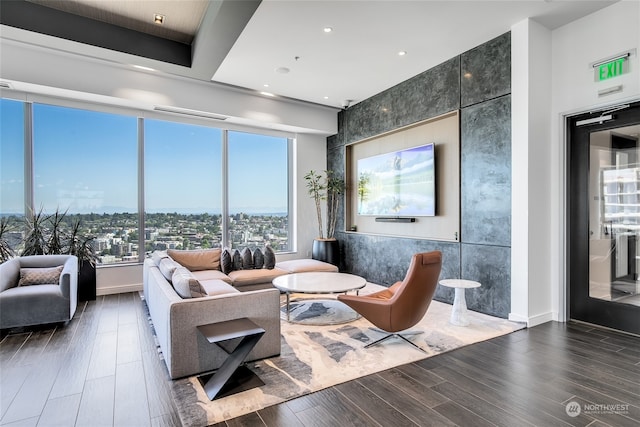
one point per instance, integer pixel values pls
(102, 368)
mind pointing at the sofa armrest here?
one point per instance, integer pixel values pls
(191, 353)
(69, 278)
(9, 274)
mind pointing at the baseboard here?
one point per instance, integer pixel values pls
(517, 318)
(119, 289)
(532, 321)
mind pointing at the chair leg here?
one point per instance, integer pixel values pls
(380, 340)
(403, 332)
(412, 343)
(399, 336)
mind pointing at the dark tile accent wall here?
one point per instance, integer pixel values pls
(491, 266)
(484, 254)
(486, 71)
(429, 94)
(335, 162)
(384, 260)
(486, 173)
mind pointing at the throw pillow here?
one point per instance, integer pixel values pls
(258, 258)
(198, 259)
(167, 267)
(186, 285)
(237, 260)
(226, 261)
(158, 256)
(269, 258)
(247, 259)
(40, 276)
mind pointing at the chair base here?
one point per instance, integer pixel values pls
(398, 336)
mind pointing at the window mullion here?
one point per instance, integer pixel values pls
(29, 200)
(141, 208)
(224, 219)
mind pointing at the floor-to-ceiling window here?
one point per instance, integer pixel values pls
(12, 157)
(85, 165)
(183, 186)
(258, 191)
(140, 184)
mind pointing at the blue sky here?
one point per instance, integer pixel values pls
(88, 160)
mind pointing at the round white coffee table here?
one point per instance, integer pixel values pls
(459, 310)
(319, 283)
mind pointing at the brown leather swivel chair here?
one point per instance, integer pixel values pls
(405, 303)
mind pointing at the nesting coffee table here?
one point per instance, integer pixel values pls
(319, 283)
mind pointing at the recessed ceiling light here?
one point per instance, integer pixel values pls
(266, 85)
(402, 53)
(158, 18)
(327, 29)
(267, 94)
(326, 97)
(282, 70)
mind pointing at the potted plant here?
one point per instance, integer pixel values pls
(82, 247)
(47, 235)
(326, 187)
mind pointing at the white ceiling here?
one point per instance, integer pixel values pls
(358, 59)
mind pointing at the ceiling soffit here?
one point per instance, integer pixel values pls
(227, 16)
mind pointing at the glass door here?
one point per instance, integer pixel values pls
(604, 218)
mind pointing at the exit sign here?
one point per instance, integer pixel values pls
(610, 69)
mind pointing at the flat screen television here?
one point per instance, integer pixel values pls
(398, 184)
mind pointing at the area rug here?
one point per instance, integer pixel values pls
(317, 357)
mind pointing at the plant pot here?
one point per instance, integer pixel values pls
(327, 250)
(86, 282)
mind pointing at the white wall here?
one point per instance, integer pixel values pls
(552, 78)
(44, 72)
(574, 47)
(530, 151)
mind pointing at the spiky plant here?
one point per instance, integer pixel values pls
(81, 246)
(6, 251)
(35, 240)
(56, 238)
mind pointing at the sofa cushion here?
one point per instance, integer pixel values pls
(305, 265)
(40, 276)
(258, 258)
(186, 285)
(167, 267)
(217, 287)
(255, 276)
(237, 259)
(247, 259)
(269, 258)
(157, 256)
(199, 259)
(226, 262)
(210, 275)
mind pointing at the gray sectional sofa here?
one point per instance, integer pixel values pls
(194, 291)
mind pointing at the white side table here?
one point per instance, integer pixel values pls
(459, 311)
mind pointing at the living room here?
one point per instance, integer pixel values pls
(517, 257)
